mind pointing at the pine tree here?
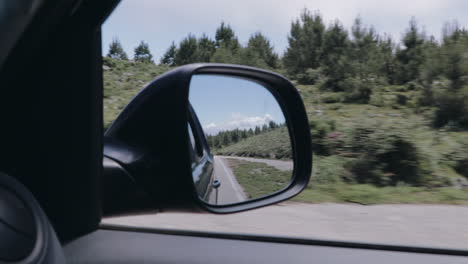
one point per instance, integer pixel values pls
(257, 130)
(142, 53)
(364, 51)
(225, 139)
(187, 52)
(260, 48)
(335, 60)
(226, 38)
(225, 54)
(169, 56)
(455, 50)
(206, 49)
(305, 43)
(116, 51)
(224, 35)
(272, 124)
(386, 48)
(411, 57)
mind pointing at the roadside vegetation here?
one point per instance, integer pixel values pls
(389, 119)
(258, 179)
(270, 143)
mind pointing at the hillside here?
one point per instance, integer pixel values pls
(384, 151)
(122, 81)
(273, 144)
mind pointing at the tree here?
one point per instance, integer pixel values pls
(363, 62)
(116, 51)
(411, 57)
(305, 43)
(234, 136)
(260, 48)
(225, 139)
(244, 134)
(169, 56)
(206, 49)
(455, 50)
(451, 99)
(226, 38)
(224, 54)
(335, 61)
(364, 51)
(386, 48)
(224, 35)
(257, 130)
(142, 53)
(272, 125)
(187, 52)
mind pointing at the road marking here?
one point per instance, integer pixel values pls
(235, 185)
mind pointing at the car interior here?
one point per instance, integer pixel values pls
(60, 172)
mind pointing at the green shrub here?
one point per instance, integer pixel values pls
(413, 86)
(452, 109)
(335, 106)
(332, 98)
(400, 88)
(320, 129)
(377, 100)
(328, 169)
(357, 91)
(458, 159)
(310, 76)
(401, 99)
(384, 156)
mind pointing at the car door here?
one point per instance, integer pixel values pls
(201, 157)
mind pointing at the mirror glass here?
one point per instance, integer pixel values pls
(240, 144)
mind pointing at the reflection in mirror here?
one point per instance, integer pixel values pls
(247, 150)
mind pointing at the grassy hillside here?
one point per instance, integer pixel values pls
(384, 111)
(122, 81)
(273, 145)
(385, 151)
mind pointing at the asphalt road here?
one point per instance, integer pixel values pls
(442, 226)
(230, 191)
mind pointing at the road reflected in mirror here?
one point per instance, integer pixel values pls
(240, 144)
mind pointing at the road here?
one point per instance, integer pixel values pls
(282, 165)
(230, 191)
(442, 226)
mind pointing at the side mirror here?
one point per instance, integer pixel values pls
(224, 138)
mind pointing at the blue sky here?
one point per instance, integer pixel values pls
(161, 22)
(226, 103)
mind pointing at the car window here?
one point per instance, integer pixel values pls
(386, 92)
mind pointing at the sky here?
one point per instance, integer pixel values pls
(226, 103)
(161, 22)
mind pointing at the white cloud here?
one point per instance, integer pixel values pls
(238, 121)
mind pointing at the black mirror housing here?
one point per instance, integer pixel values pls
(149, 139)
